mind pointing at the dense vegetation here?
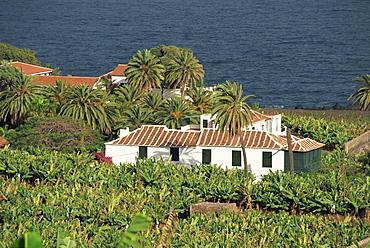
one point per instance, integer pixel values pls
(49, 181)
(9, 52)
(334, 131)
(44, 191)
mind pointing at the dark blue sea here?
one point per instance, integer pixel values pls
(286, 52)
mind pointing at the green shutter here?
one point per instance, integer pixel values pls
(205, 123)
(206, 156)
(267, 159)
(143, 151)
(174, 151)
(236, 158)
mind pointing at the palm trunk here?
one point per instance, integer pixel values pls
(244, 156)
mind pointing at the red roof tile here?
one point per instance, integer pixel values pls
(119, 70)
(29, 69)
(3, 142)
(90, 81)
(252, 139)
(256, 116)
(153, 135)
(159, 136)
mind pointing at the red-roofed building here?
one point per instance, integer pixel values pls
(32, 70)
(265, 150)
(51, 80)
(117, 76)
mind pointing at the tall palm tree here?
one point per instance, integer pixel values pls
(232, 114)
(15, 102)
(173, 112)
(91, 106)
(144, 71)
(362, 95)
(183, 71)
(201, 99)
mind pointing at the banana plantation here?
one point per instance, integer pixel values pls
(45, 192)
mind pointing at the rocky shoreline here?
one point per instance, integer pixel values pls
(336, 106)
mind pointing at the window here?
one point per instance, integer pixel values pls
(143, 151)
(236, 158)
(206, 156)
(174, 152)
(267, 159)
(205, 123)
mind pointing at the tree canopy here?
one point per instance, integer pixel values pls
(9, 52)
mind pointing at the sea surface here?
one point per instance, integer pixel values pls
(285, 52)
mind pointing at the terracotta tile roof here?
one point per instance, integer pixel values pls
(303, 144)
(3, 142)
(119, 70)
(256, 117)
(29, 69)
(153, 135)
(252, 139)
(90, 81)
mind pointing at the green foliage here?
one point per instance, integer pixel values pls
(56, 133)
(362, 95)
(140, 223)
(28, 240)
(16, 100)
(48, 191)
(92, 106)
(332, 131)
(173, 112)
(9, 52)
(144, 71)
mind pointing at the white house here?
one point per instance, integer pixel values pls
(265, 150)
(117, 76)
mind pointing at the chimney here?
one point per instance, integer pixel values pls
(124, 132)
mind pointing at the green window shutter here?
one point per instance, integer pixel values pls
(236, 158)
(143, 151)
(206, 156)
(205, 123)
(175, 153)
(267, 159)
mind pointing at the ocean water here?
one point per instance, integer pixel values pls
(285, 52)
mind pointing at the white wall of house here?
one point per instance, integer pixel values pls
(119, 80)
(121, 154)
(221, 156)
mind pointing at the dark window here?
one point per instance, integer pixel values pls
(206, 156)
(205, 123)
(174, 152)
(236, 158)
(267, 159)
(143, 152)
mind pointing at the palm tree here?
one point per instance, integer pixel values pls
(91, 106)
(362, 95)
(136, 116)
(128, 95)
(232, 113)
(144, 71)
(59, 92)
(15, 102)
(173, 112)
(201, 99)
(153, 101)
(184, 70)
